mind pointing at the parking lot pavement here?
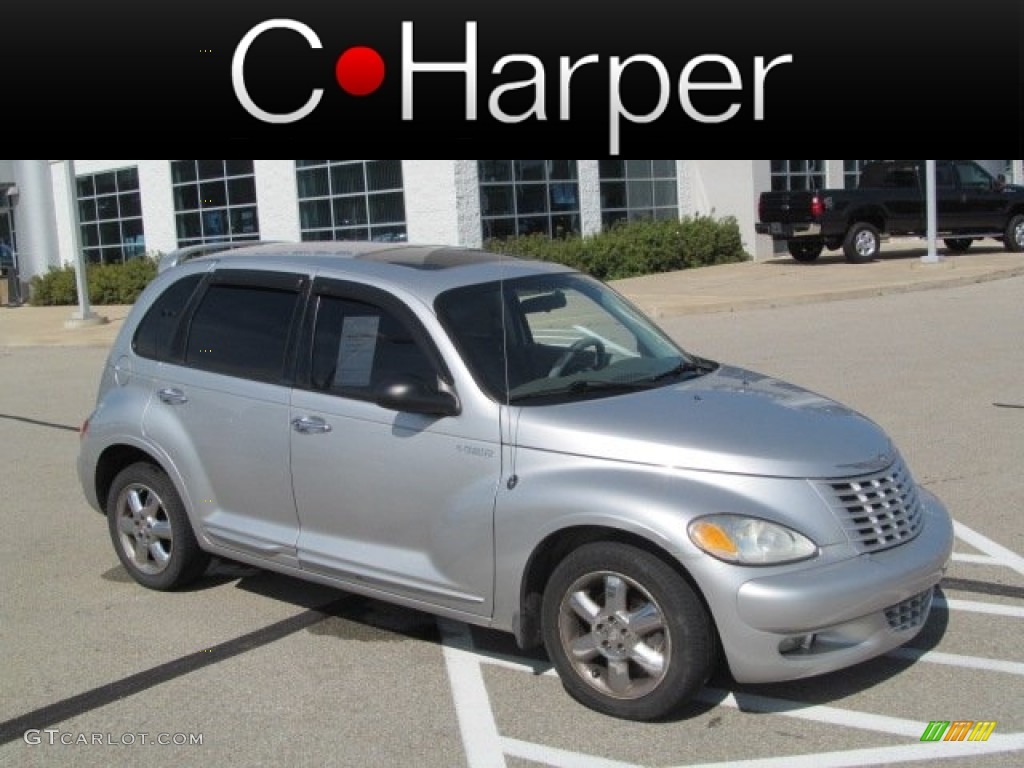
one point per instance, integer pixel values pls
(249, 668)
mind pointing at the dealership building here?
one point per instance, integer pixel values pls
(113, 210)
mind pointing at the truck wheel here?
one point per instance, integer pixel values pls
(805, 250)
(862, 243)
(627, 634)
(1013, 240)
(958, 244)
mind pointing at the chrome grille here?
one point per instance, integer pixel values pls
(911, 613)
(877, 511)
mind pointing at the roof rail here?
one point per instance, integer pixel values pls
(180, 255)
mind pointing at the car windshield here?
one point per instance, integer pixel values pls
(546, 338)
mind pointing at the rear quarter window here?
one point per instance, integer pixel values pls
(155, 334)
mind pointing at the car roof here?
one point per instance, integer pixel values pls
(423, 269)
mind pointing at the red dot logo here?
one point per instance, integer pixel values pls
(359, 71)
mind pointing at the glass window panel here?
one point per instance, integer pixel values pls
(346, 179)
(317, 235)
(309, 163)
(244, 221)
(562, 169)
(352, 233)
(664, 169)
(210, 169)
(186, 198)
(665, 193)
(530, 170)
(349, 211)
(110, 232)
(106, 183)
(314, 214)
(391, 234)
(532, 225)
(638, 169)
(611, 169)
(106, 207)
(238, 167)
(183, 171)
(563, 196)
(611, 218)
(111, 255)
(640, 194)
(242, 191)
(188, 226)
(130, 204)
(86, 210)
(495, 170)
(383, 175)
(86, 186)
(797, 166)
(213, 193)
(666, 213)
(386, 208)
(778, 166)
(531, 198)
(613, 194)
(565, 224)
(215, 225)
(90, 235)
(499, 228)
(312, 182)
(127, 179)
(497, 199)
(92, 255)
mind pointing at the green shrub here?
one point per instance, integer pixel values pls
(629, 249)
(108, 283)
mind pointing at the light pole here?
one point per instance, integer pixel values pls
(83, 316)
(932, 256)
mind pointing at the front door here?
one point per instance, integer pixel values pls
(398, 503)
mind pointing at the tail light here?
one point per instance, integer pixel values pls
(817, 207)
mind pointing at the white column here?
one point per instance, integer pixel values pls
(35, 218)
(589, 180)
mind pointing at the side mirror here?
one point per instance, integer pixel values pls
(410, 395)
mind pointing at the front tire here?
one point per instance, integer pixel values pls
(627, 633)
(862, 243)
(1013, 238)
(150, 530)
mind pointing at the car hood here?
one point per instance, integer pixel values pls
(730, 420)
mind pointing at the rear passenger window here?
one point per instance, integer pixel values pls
(155, 334)
(358, 346)
(242, 330)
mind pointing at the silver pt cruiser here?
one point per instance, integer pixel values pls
(511, 444)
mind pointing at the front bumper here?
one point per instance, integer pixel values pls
(820, 619)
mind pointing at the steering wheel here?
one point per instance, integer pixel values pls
(575, 349)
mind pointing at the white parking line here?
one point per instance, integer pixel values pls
(480, 738)
(1000, 553)
(956, 660)
(963, 557)
(975, 606)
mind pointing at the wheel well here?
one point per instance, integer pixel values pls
(552, 550)
(867, 216)
(113, 460)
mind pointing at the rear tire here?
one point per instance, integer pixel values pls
(150, 530)
(627, 634)
(805, 250)
(958, 244)
(862, 243)
(1013, 238)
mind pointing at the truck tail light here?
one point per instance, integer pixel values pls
(817, 207)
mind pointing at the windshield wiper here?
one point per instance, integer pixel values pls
(582, 386)
(697, 365)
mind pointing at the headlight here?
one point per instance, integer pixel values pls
(749, 540)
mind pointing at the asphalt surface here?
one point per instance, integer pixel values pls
(266, 670)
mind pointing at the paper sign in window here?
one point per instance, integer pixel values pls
(356, 349)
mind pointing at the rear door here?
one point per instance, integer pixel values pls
(220, 410)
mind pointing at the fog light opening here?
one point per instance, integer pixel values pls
(797, 644)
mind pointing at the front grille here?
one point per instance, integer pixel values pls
(910, 613)
(877, 511)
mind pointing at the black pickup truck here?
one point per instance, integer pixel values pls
(890, 200)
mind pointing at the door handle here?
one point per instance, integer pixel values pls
(310, 425)
(172, 396)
